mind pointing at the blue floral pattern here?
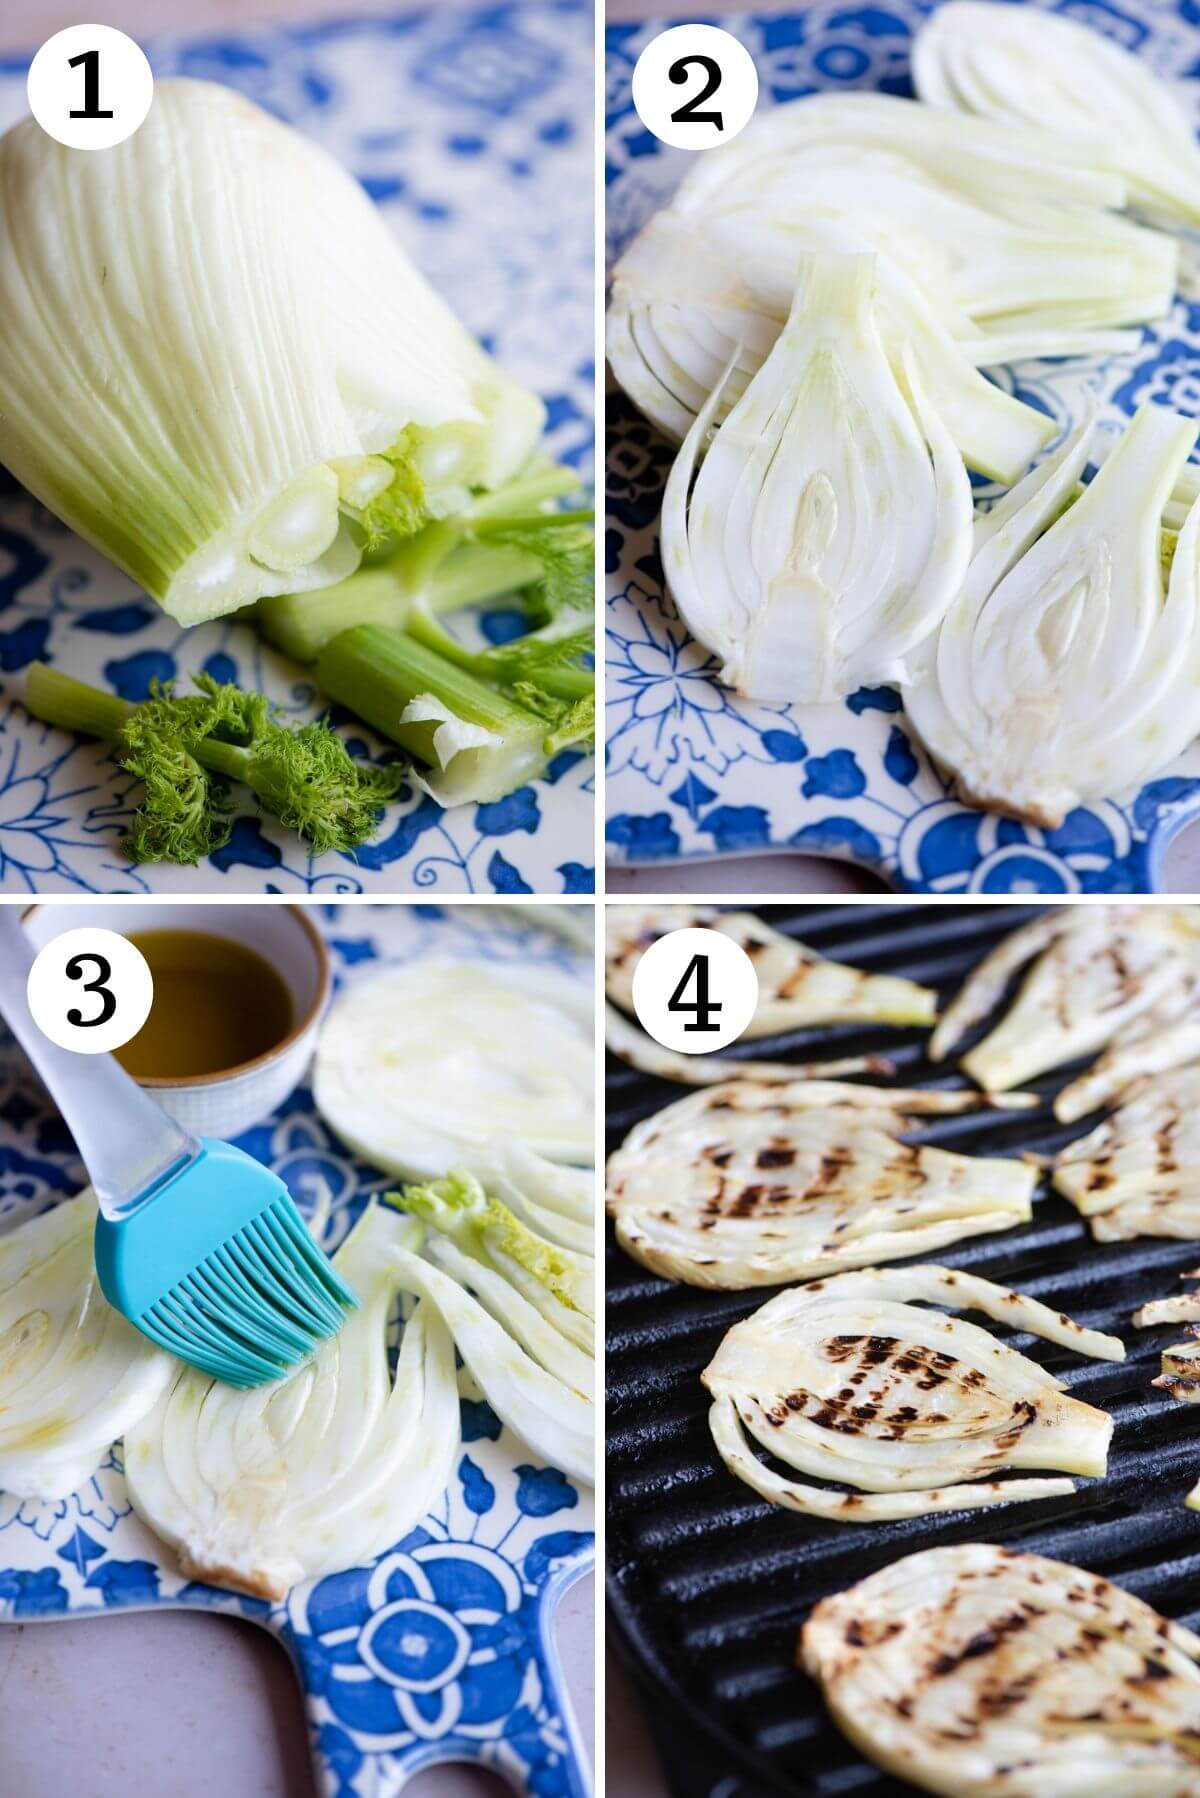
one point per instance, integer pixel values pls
(691, 770)
(471, 130)
(443, 1649)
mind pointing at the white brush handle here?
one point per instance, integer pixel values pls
(127, 1142)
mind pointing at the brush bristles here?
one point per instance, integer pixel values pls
(256, 1306)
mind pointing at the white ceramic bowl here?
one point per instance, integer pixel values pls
(224, 1104)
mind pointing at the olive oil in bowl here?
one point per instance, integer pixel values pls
(217, 1005)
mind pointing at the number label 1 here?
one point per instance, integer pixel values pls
(90, 87)
(720, 78)
(694, 990)
(89, 989)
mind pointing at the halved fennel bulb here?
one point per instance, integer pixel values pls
(829, 526)
(1025, 66)
(850, 1380)
(1097, 970)
(74, 1375)
(749, 1185)
(436, 1063)
(1060, 673)
(317, 1472)
(979, 1672)
(215, 352)
(796, 986)
(1138, 1173)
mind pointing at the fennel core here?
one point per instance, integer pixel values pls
(303, 776)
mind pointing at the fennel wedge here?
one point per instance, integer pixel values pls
(74, 1375)
(229, 396)
(850, 1380)
(978, 1672)
(1138, 1173)
(1096, 969)
(796, 987)
(749, 1185)
(320, 1471)
(640, 1051)
(1062, 671)
(828, 527)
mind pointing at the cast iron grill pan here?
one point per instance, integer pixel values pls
(708, 1585)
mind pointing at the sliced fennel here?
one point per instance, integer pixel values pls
(1138, 1173)
(444, 1061)
(975, 1671)
(74, 1375)
(849, 1380)
(829, 525)
(1025, 66)
(320, 1471)
(749, 1185)
(796, 986)
(1180, 1374)
(258, 377)
(1060, 673)
(640, 1051)
(1096, 968)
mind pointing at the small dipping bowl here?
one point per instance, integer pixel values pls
(226, 1103)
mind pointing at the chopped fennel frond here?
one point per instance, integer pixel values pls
(850, 1380)
(976, 1671)
(1096, 970)
(829, 525)
(74, 1375)
(796, 986)
(1024, 66)
(749, 1185)
(1060, 673)
(258, 379)
(319, 1471)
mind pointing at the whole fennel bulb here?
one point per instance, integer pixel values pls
(215, 354)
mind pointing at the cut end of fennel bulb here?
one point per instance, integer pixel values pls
(829, 524)
(245, 380)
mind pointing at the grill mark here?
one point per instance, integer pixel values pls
(985, 1642)
(774, 1156)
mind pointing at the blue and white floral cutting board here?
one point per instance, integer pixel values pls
(443, 1649)
(693, 771)
(472, 129)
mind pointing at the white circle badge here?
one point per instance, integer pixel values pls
(90, 87)
(695, 86)
(90, 990)
(695, 991)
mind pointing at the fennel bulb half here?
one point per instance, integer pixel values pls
(829, 526)
(74, 1374)
(1025, 66)
(1061, 673)
(216, 356)
(319, 1471)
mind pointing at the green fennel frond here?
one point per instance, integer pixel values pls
(567, 557)
(402, 509)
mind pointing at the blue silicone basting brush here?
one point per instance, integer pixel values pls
(197, 1244)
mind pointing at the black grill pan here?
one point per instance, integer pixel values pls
(708, 1585)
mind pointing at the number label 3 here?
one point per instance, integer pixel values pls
(721, 85)
(90, 990)
(695, 990)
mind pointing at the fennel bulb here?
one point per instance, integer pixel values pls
(829, 526)
(1136, 1173)
(851, 1380)
(1060, 673)
(445, 1061)
(1025, 66)
(319, 1471)
(74, 1375)
(217, 357)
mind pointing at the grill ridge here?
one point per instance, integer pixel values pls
(708, 1585)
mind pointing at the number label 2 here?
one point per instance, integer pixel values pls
(689, 113)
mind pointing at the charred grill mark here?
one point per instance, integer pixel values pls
(984, 1642)
(775, 1155)
(718, 1156)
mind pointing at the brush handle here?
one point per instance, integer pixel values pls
(127, 1142)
